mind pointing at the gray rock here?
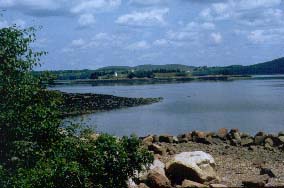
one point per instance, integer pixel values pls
(256, 182)
(197, 166)
(247, 141)
(157, 149)
(166, 138)
(157, 180)
(259, 140)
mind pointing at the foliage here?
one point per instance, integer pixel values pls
(34, 150)
(272, 67)
(141, 74)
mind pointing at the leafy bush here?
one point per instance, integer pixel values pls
(34, 150)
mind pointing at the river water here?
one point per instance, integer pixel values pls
(250, 105)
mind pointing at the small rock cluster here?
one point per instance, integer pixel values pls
(197, 169)
(187, 169)
(233, 137)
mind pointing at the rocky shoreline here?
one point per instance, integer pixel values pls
(215, 159)
(78, 104)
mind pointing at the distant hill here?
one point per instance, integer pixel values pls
(147, 67)
(271, 67)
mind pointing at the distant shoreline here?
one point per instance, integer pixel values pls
(137, 81)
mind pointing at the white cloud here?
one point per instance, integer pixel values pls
(141, 45)
(86, 20)
(269, 36)
(31, 4)
(78, 43)
(148, 18)
(234, 8)
(88, 6)
(252, 4)
(161, 42)
(194, 26)
(216, 38)
(146, 2)
(182, 35)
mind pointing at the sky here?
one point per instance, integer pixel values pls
(89, 34)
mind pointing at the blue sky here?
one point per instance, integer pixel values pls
(88, 34)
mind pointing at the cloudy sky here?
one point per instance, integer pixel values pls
(88, 34)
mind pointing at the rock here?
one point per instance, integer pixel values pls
(171, 150)
(155, 138)
(217, 185)
(175, 140)
(157, 149)
(158, 166)
(222, 133)
(256, 182)
(268, 172)
(269, 141)
(200, 137)
(148, 140)
(157, 180)
(247, 141)
(281, 133)
(281, 139)
(166, 138)
(192, 184)
(142, 185)
(259, 139)
(235, 137)
(184, 137)
(197, 166)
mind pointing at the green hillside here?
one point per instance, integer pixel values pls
(271, 67)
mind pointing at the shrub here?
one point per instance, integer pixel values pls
(34, 151)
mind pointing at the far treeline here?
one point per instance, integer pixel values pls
(171, 70)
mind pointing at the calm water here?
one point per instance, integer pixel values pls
(250, 105)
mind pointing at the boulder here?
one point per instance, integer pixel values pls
(247, 141)
(157, 149)
(166, 138)
(157, 180)
(222, 133)
(269, 141)
(197, 166)
(256, 182)
(192, 184)
(158, 166)
(281, 139)
(184, 137)
(259, 139)
(148, 140)
(155, 138)
(200, 137)
(235, 137)
(281, 133)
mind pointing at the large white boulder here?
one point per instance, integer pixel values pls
(197, 166)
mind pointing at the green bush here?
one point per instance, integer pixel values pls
(35, 152)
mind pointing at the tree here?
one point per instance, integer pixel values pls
(35, 152)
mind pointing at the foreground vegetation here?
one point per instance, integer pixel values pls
(35, 152)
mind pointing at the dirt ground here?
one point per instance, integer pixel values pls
(235, 164)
